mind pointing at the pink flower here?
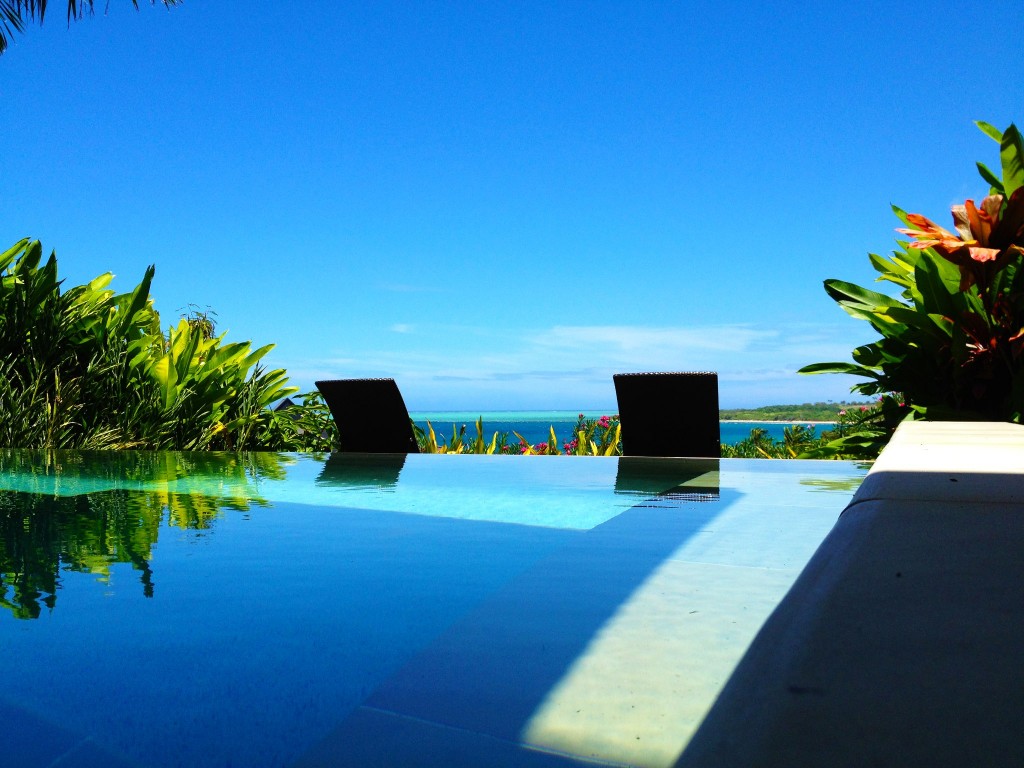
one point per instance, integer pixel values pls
(863, 408)
(842, 413)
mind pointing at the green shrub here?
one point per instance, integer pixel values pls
(88, 368)
(951, 345)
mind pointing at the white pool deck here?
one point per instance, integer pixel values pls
(902, 642)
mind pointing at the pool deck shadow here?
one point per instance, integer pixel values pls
(471, 694)
(901, 642)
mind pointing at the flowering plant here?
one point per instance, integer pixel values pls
(952, 346)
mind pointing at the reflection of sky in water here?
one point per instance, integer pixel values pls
(267, 630)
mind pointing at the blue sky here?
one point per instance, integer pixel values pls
(502, 204)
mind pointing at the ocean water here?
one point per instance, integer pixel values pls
(535, 426)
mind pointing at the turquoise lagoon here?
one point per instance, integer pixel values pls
(173, 609)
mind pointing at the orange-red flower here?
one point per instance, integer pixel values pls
(931, 235)
(972, 246)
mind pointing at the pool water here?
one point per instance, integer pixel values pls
(174, 609)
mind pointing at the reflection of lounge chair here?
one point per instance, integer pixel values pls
(353, 470)
(691, 479)
(669, 414)
(370, 414)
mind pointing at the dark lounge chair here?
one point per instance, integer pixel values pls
(370, 414)
(669, 414)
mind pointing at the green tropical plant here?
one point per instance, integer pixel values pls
(88, 368)
(428, 442)
(797, 440)
(547, 448)
(303, 426)
(595, 437)
(14, 13)
(951, 345)
(205, 385)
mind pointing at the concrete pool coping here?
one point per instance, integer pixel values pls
(901, 641)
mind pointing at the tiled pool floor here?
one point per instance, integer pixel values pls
(312, 634)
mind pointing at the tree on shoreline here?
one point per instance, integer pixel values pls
(14, 14)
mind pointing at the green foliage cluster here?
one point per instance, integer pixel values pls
(603, 437)
(89, 368)
(800, 441)
(592, 437)
(805, 412)
(796, 440)
(952, 344)
(306, 425)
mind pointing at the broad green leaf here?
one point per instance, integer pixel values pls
(993, 181)
(914, 318)
(851, 368)
(989, 130)
(891, 268)
(11, 255)
(228, 355)
(256, 355)
(938, 281)
(878, 317)
(841, 291)
(897, 272)
(529, 449)
(138, 300)
(902, 216)
(31, 257)
(167, 377)
(943, 323)
(613, 444)
(1011, 154)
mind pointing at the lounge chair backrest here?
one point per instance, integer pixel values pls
(669, 414)
(370, 414)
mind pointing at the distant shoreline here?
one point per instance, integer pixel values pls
(775, 421)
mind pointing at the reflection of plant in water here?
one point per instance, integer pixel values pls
(837, 484)
(40, 536)
(42, 533)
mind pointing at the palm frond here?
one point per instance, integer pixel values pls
(14, 14)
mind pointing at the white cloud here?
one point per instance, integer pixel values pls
(630, 339)
(572, 366)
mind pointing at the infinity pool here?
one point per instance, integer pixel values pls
(173, 609)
